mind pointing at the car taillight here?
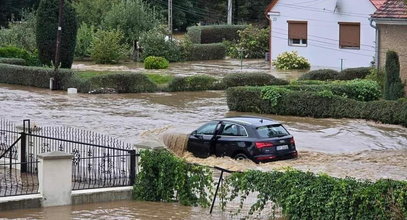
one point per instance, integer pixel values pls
(260, 145)
(292, 142)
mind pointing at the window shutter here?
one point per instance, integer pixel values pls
(349, 34)
(297, 29)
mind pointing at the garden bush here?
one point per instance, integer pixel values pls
(354, 73)
(251, 79)
(107, 47)
(13, 61)
(253, 42)
(84, 40)
(393, 87)
(192, 83)
(166, 178)
(291, 60)
(377, 75)
(153, 62)
(305, 195)
(215, 51)
(123, 82)
(214, 33)
(314, 104)
(15, 52)
(321, 74)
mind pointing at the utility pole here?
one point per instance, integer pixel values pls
(58, 45)
(170, 17)
(230, 10)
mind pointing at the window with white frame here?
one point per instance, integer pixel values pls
(297, 33)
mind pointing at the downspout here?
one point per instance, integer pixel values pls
(377, 44)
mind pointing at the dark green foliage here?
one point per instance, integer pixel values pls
(377, 75)
(321, 74)
(154, 43)
(31, 76)
(304, 195)
(46, 31)
(215, 51)
(166, 178)
(123, 82)
(354, 73)
(253, 43)
(393, 87)
(251, 79)
(192, 83)
(13, 10)
(214, 33)
(13, 61)
(314, 104)
(14, 52)
(153, 62)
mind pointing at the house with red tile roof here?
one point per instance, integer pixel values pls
(329, 33)
(391, 32)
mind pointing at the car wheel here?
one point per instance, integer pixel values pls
(240, 156)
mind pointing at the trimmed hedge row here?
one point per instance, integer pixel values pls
(192, 83)
(251, 79)
(214, 33)
(282, 101)
(13, 61)
(216, 51)
(329, 74)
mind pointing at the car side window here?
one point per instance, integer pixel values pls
(233, 130)
(208, 129)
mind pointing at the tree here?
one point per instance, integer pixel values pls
(46, 32)
(11, 10)
(393, 87)
(92, 12)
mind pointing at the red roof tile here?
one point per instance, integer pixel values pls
(378, 3)
(392, 9)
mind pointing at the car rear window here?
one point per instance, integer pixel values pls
(271, 131)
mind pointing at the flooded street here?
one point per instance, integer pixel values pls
(339, 147)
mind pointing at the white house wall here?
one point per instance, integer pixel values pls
(323, 31)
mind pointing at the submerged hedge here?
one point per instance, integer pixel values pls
(329, 74)
(304, 195)
(282, 101)
(216, 51)
(214, 33)
(13, 61)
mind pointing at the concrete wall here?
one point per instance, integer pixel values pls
(394, 37)
(323, 31)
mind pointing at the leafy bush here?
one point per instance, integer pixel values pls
(84, 40)
(377, 75)
(92, 12)
(153, 62)
(253, 42)
(208, 52)
(107, 47)
(123, 82)
(313, 104)
(251, 79)
(13, 61)
(154, 43)
(166, 178)
(304, 195)
(321, 74)
(214, 33)
(192, 83)
(46, 32)
(14, 52)
(354, 73)
(393, 87)
(291, 60)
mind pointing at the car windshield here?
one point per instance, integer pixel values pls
(271, 131)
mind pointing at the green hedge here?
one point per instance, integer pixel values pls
(15, 52)
(193, 83)
(251, 79)
(13, 61)
(354, 73)
(153, 62)
(214, 33)
(304, 195)
(329, 74)
(31, 76)
(282, 101)
(216, 51)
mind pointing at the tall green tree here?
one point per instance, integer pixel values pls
(92, 12)
(393, 87)
(46, 32)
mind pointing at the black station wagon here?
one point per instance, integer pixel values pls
(243, 137)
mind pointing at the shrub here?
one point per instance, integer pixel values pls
(208, 52)
(107, 47)
(354, 73)
(321, 74)
(253, 42)
(46, 32)
(13, 61)
(214, 33)
(31, 76)
(84, 40)
(14, 52)
(160, 79)
(291, 60)
(304, 195)
(154, 43)
(251, 79)
(123, 82)
(155, 63)
(312, 104)
(377, 75)
(393, 87)
(166, 178)
(192, 83)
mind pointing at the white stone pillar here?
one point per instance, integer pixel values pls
(55, 178)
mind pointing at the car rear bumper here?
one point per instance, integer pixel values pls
(271, 157)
